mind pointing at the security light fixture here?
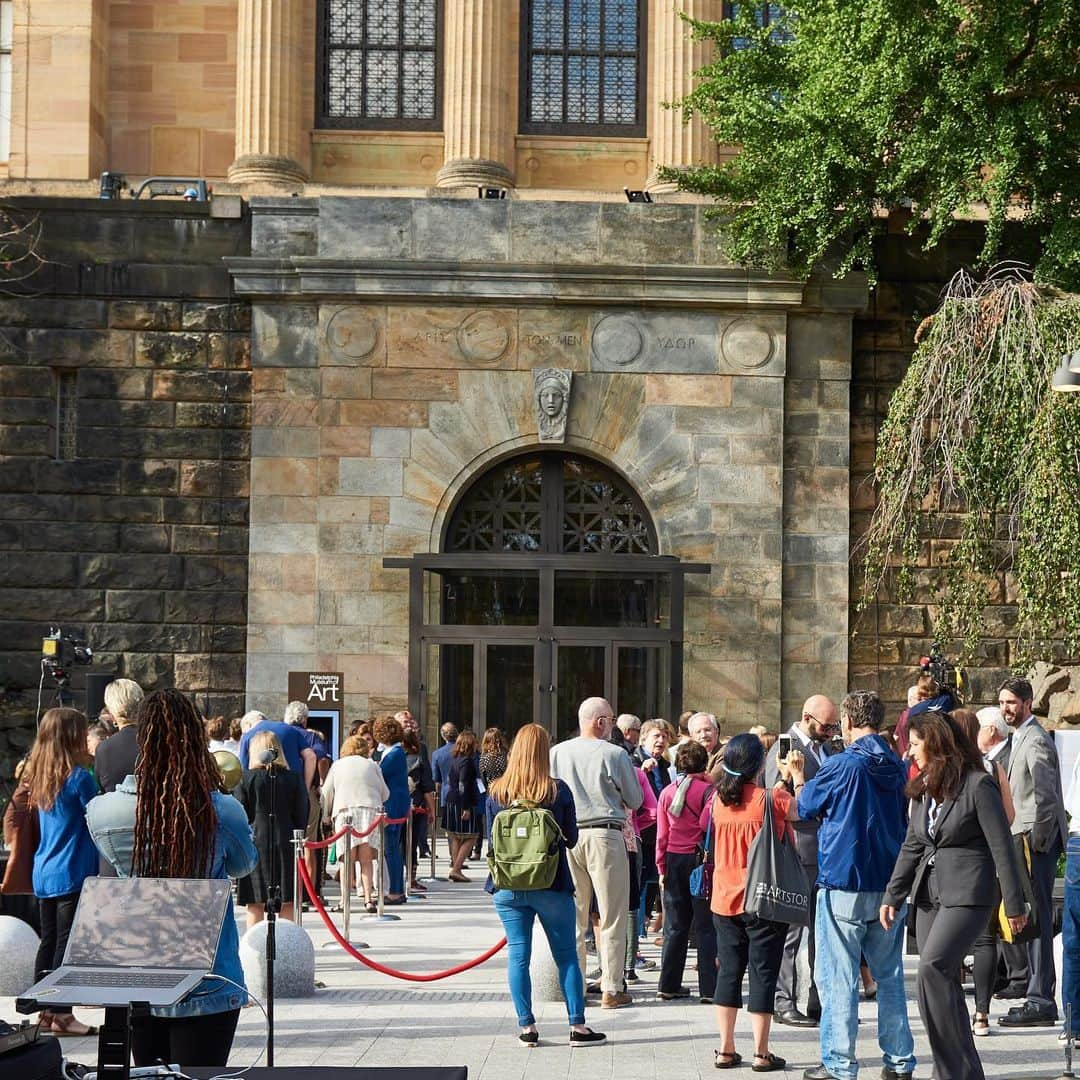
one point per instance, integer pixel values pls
(112, 184)
(637, 196)
(491, 193)
(1066, 380)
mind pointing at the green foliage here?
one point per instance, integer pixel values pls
(974, 428)
(845, 111)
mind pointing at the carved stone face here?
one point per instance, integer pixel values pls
(552, 400)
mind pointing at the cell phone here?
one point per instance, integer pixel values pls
(838, 743)
(783, 747)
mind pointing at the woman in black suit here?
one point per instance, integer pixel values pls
(957, 844)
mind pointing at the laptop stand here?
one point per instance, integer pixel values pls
(114, 1035)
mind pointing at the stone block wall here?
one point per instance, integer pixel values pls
(889, 638)
(134, 532)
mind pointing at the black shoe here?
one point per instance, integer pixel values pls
(671, 995)
(705, 1001)
(818, 1072)
(1010, 992)
(592, 988)
(630, 975)
(586, 1038)
(892, 1074)
(794, 1018)
(529, 1038)
(1030, 1016)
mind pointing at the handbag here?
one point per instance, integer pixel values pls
(1031, 931)
(702, 874)
(21, 834)
(777, 888)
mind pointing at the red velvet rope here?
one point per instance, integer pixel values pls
(357, 834)
(408, 976)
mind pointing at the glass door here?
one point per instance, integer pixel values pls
(581, 671)
(641, 679)
(512, 688)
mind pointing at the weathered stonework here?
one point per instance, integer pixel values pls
(426, 320)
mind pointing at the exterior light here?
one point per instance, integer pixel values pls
(1066, 380)
(636, 196)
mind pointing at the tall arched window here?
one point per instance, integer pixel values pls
(378, 64)
(583, 67)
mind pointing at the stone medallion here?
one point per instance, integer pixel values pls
(746, 345)
(617, 339)
(352, 333)
(482, 337)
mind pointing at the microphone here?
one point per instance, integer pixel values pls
(268, 756)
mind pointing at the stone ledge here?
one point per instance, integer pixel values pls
(668, 286)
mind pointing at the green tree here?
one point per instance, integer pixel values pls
(845, 111)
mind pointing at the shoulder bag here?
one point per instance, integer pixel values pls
(777, 888)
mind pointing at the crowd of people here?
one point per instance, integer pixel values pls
(945, 827)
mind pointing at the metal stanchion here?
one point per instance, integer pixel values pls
(346, 880)
(1068, 1074)
(298, 893)
(380, 864)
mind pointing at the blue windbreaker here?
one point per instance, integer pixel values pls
(859, 797)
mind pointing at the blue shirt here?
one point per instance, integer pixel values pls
(395, 770)
(562, 809)
(439, 762)
(859, 798)
(66, 855)
(289, 735)
(315, 742)
(111, 822)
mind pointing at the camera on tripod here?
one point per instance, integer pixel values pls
(948, 676)
(60, 652)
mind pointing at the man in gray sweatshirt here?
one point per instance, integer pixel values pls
(601, 778)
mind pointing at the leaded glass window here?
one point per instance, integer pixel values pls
(379, 63)
(552, 503)
(583, 66)
(764, 15)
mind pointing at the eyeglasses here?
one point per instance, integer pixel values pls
(821, 723)
(600, 718)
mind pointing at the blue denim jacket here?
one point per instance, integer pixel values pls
(111, 820)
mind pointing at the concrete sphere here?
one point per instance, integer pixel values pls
(18, 947)
(294, 966)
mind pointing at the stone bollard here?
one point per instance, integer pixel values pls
(18, 947)
(294, 967)
(542, 970)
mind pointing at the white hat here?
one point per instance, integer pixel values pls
(991, 717)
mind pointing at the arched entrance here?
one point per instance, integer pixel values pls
(549, 589)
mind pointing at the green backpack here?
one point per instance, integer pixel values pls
(524, 847)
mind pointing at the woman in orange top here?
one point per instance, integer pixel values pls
(744, 940)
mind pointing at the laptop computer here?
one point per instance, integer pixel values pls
(148, 940)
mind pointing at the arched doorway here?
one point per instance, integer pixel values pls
(549, 589)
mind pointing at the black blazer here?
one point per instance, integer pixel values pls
(971, 848)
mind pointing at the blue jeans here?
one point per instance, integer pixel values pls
(395, 863)
(555, 910)
(1070, 933)
(847, 927)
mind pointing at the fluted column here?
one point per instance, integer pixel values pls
(673, 59)
(479, 93)
(268, 71)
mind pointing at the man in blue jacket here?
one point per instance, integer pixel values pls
(859, 798)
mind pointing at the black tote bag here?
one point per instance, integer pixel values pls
(777, 888)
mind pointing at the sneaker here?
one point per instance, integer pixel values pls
(980, 1025)
(645, 965)
(594, 974)
(586, 1038)
(630, 975)
(615, 1000)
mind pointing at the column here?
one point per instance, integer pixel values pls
(268, 71)
(479, 93)
(673, 59)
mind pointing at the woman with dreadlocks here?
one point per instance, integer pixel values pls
(172, 819)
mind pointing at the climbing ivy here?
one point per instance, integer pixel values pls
(975, 431)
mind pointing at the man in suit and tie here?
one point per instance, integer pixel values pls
(1035, 782)
(812, 735)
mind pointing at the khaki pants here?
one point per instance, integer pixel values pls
(598, 864)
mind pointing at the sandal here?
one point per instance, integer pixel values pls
(63, 1026)
(734, 1060)
(769, 1063)
(371, 907)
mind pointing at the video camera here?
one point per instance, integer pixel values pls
(60, 651)
(947, 675)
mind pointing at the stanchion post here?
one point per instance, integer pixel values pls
(408, 852)
(298, 896)
(346, 877)
(379, 863)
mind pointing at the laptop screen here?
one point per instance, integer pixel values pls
(148, 922)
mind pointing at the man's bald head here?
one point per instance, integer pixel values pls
(595, 717)
(820, 718)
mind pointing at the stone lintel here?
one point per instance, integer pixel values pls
(665, 286)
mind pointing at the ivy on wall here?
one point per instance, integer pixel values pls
(974, 427)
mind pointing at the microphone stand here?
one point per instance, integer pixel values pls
(272, 907)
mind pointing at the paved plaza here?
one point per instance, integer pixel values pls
(365, 1018)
